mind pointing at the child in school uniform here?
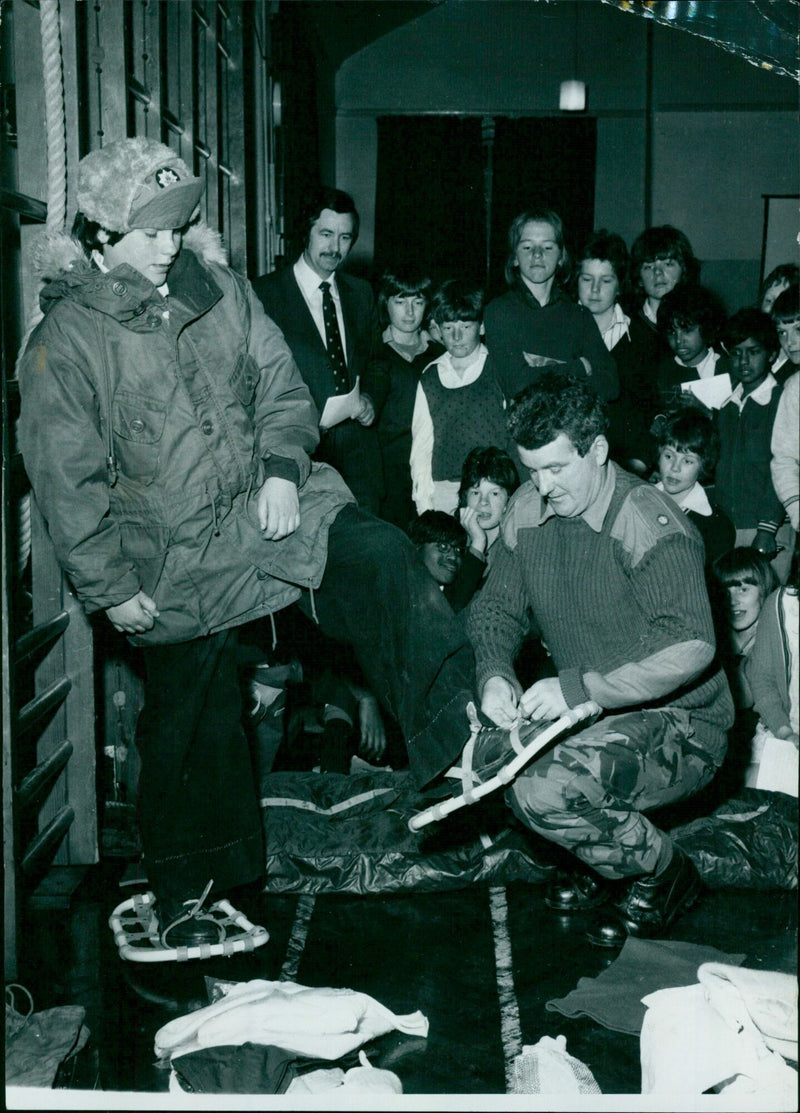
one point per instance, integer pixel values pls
(785, 314)
(743, 484)
(407, 349)
(689, 319)
(687, 452)
(488, 480)
(458, 405)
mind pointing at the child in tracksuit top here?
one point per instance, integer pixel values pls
(459, 404)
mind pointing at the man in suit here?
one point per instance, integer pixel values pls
(330, 324)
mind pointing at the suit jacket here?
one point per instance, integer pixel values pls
(349, 447)
(281, 297)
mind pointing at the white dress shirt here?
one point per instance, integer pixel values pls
(309, 281)
(694, 499)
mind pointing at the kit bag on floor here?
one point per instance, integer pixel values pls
(327, 832)
(749, 842)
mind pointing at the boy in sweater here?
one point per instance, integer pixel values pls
(611, 573)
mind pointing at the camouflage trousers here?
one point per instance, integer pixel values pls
(588, 793)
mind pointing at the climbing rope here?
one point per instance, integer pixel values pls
(55, 128)
(55, 122)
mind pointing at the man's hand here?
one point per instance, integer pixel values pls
(475, 532)
(373, 734)
(278, 508)
(499, 701)
(135, 615)
(544, 700)
(366, 413)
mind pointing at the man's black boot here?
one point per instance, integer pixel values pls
(577, 891)
(650, 904)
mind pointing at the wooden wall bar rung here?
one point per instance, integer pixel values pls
(44, 775)
(42, 848)
(42, 635)
(40, 706)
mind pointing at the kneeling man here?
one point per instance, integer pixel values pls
(611, 572)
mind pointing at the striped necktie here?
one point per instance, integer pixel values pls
(333, 339)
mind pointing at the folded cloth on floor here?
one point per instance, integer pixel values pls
(37, 1043)
(720, 1035)
(614, 997)
(766, 998)
(326, 1023)
(246, 1068)
(546, 1067)
(358, 1080)
(317, 1081)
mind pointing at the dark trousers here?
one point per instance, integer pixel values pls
(198, 804)
(199, 815)
(354, 451)
(377, 597)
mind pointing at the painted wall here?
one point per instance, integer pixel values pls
(724, 132)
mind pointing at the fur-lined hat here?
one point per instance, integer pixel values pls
(137, 183)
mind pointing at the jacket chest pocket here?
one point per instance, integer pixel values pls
(138, 432)
(244, 380)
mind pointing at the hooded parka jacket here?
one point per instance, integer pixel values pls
(147, 428)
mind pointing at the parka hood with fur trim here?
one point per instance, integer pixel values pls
(61, 264)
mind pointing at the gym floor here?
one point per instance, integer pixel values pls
(479, 962)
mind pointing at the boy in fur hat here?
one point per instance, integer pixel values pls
(167, 432)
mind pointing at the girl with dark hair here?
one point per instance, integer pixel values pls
(661, 260)
(535, 323)
(690, 320)
(489, 478)
(687, 454)
(601, 281)
(408, 348)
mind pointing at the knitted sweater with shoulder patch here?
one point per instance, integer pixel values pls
(624, 612)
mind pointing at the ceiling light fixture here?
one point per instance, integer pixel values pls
(572, 94)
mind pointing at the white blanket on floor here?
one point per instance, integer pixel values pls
(729, 1033)
(319, 1023)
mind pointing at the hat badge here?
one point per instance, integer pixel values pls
(166, 176)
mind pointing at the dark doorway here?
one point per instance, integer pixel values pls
(429, 202)
(448, 187)
(541, 163)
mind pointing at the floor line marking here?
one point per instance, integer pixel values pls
(510, 1029)
(297, 939)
